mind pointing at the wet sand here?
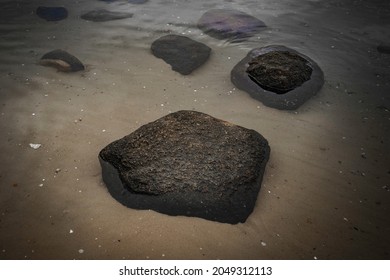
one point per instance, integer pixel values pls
(326, 189)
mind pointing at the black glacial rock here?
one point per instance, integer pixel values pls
(52, 13)
(188, 163)
(182, 53)
(62, 60)
(229, 24)
(278, 76)
(104, 15)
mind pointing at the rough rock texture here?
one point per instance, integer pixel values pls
(291, 99)
(104, 15)
(62, 60)
(279, 71)
(229, 24)
(188, 163)
(52, 13)
(182, 53)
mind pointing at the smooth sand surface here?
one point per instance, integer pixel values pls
(326, 189)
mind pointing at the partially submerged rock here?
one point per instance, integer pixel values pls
(278, 76)
(382, 48)
(182, 53)
(52, 13)
(188, 163)
(101, 15)
(62, 61)
(279, 71)
(229, 24)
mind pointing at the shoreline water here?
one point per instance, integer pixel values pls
(325, 191)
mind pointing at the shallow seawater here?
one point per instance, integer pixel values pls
(325, 192)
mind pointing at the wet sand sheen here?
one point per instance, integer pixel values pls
(325, 192)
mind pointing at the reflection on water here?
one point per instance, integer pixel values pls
(325, 192)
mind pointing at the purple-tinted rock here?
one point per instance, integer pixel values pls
(229, 24)
(278, 76)
(188, 163)
(182, 53)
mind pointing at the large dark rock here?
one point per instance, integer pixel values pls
(278, 76)
(182, 53)
(62, 61)
(52, 13)
(188, 163)
(229, 24)
(104, 15)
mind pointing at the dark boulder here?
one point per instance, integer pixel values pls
(62, 61)
(279, 71)
(278, 76)
(104, 15)
(229, 24)
(52, 13)
(188, 163)
(382, 48)
(182, 53)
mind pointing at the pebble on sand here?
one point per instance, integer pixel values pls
(62, 61)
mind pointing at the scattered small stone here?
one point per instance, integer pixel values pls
(263, 243)
(81, 251)
(35, 146)
(58, 170)
(71, 231)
